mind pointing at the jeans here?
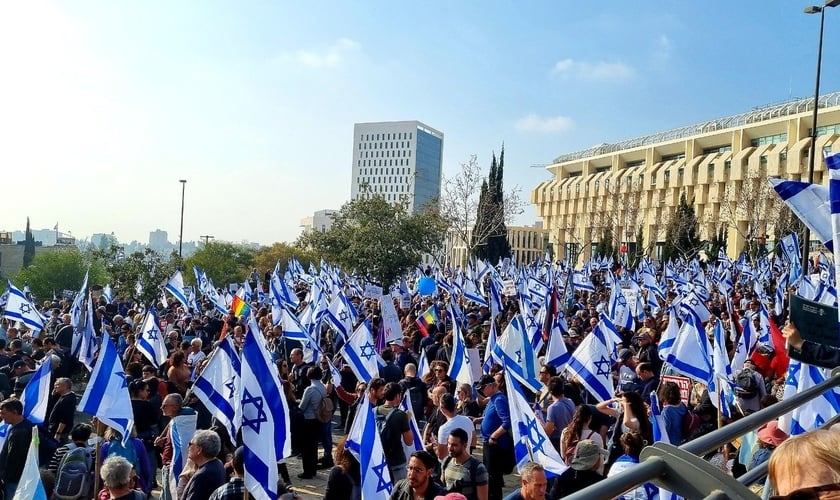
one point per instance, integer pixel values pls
(398, 472)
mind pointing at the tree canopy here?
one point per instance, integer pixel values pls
(267, 257)
(489, 236)
(370, 236)
(51, 272)
(681, 237)
(223, 262)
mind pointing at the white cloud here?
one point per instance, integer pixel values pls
(544, 125)
(592, 71)
(327, 57)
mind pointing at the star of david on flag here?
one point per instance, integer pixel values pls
(106, 395)
(531, 443)
(265, 416)
(365, 444)
(217, 386)
(360, 353)
(150, 341)
(591, 363)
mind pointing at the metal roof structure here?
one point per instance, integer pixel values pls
(756, 115)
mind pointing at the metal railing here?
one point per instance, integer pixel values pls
(681, 470)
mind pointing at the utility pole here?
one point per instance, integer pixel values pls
(207, 238)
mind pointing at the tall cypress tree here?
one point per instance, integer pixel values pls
(29, 246)
(498, 244)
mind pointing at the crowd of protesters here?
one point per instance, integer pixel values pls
(467, 439)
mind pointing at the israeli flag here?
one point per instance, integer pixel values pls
(340, 317)
(106, 396)
(811, 203)
(83, 346)
(556, 354)
(691, 354)
(513, 350)
(460, 366)
(360, 353)
(4, 432)
(76, 308)
(181, 431)
(417, 440)
(30, 486)
(175, 286)
(833, 165)
(108, 293)
(36, 395)
(619, 310)
(813, 414)
(19, 308)
(530, 441)
(293, 329)
(592, 364)
(660, 432)
(745, 346)
(265, 417)
(720, 390)
(365, 444)
(218, 385)
(150, 340)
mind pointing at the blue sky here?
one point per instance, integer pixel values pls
(104, 106)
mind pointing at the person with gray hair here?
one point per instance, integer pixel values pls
(116, 476)
(534, 483)
(210, 471)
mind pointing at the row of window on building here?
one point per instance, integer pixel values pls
(376, 185)
(399, 153)
(384, 171)
(387, 196)
(399, 162)
(397, 136)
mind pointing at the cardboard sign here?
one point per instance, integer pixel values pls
(405, 301)
(373, 291)
(509, 288)
(684, 383)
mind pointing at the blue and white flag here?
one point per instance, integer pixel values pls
(417, 440)
(218, 385)
(810, 202)
(814, 413)
(5, 427)
(150, 339)
(460, 365)
(106, 396)
(365, 444)
(620, 311)
(720, 390)
(513, 350)
(669, 336)
(691, 354)
(340, 317)
(488, 351)
(592, 363)
(360, 353)
(181, 431)
(265, 417)
(76, 308)
(83, 346)
(747, 342)
(175, 286)
(833, 165)
(530, 441)
(660, 431)
(108, 293)
(557, 354)
(19, 308)
(30, 486)
(36, 395)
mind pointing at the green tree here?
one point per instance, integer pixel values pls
(640, 246)
(681, 239)
(267, 257)
(29, 246)
(371, 237)
(490, 232)
(223, 262)
(606, 246)
(716, 243)
(60, 269)
(149, 268)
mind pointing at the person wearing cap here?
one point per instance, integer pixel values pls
(534, 483)
(495, 431)
(582, 473)
(647, 353)
(808, 351)
(418, 482)
(769, 437)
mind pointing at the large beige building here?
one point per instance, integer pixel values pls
(527, 243)
(722, 165)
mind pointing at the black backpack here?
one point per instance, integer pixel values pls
(73, 476)
(746, 385)
(388, 441)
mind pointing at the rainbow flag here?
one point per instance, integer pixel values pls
(427, 318)
(240, 307)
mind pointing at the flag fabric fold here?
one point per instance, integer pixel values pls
(36, 394)
(30, 486)
(106, 396)
(150, 339)
(218, 385)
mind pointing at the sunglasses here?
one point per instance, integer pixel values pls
(812, 493)
(438, 369)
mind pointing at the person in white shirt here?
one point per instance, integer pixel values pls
(453, 421)
(195, 357)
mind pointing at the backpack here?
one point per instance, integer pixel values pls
(472, 465)
(384, 430)
(690, 423)
(73, 476)
(745, 384)
(570, 450)
(325, 409)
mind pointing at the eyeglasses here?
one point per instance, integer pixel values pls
(438, 369)
(812, 493)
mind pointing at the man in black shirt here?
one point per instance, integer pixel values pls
(64, 411)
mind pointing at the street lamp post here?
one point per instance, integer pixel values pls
(181, 233)
(815, 9)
